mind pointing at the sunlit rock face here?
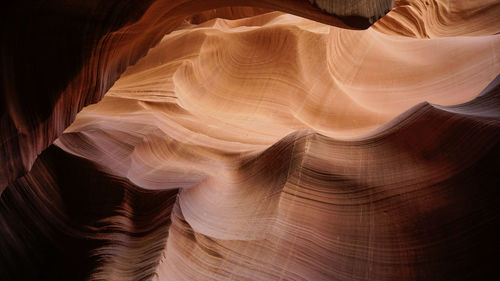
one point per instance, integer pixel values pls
(59, 56)
(284, 140)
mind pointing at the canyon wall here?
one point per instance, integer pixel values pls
(284, 140)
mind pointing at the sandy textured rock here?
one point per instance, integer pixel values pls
(263, 146)
(174, 120)
(58, 57)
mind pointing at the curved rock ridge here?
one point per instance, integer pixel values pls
(86, 47)
(266, 147)
(280, 177)
(442, 18)
(59, 56)
(65, 220)
(176, 119)
(414, 199)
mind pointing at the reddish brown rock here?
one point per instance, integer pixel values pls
(264, 147)
(59, 56)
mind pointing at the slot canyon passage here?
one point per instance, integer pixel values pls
(250, 140)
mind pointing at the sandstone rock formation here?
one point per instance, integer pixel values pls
(249, 143)
(58, 56)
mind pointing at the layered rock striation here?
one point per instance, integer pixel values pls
(250, 144)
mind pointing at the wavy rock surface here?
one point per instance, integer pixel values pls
(442, 18)
(238, 88)
(270, 147)
(58, 57)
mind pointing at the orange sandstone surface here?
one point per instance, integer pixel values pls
(283, 140)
